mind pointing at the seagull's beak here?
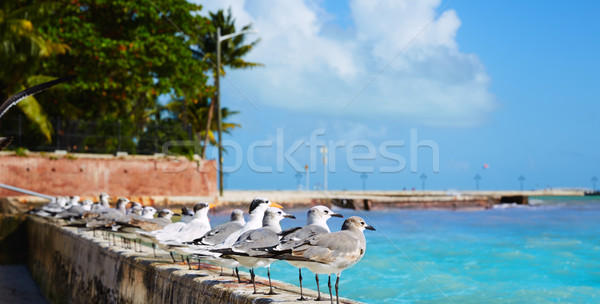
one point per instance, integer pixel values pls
(289, 216)
(178, 214)
(211, 206)
(334, 214)
(275, 205)
(369, 227)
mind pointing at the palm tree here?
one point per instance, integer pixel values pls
(196, 114)
(21, 49)
(232, 51)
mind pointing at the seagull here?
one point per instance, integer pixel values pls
(218, 234)
(331, 253)
(102, 204)
(148, 212)
(316, 223)
(14, 99)
(134, 206)
(187, 215)
(243, 250)
(256, 212)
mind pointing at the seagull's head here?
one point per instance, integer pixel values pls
(237, 215)
(148, 211)
(275, 215)
(166, 213)
(185, 211)
(260, 204)
(122, 202)
(202, 208)
(137, 209)
(135, 204)
(356, 223)
(320, 213)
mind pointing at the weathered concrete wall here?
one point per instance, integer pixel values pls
(87, 175)
(76, 267)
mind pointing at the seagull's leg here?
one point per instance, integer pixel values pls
(182, 259)
(330, 294)
(221, 274)
(318, 288)
(252, 278)
(154, 249)
(337, 284)
(237, 272)
(171, 253)
(187, 258)
(302, 298)
(199, 268)
(270, 285)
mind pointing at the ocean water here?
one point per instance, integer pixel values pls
(546, 253)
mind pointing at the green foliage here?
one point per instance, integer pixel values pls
(22, 48)
(124, 54)
(21, 152)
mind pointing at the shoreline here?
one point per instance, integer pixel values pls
(359, 200)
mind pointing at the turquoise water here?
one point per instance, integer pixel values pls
(548, 253)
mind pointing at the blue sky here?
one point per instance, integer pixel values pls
(510, 84)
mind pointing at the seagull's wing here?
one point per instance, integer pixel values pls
(4, 142)
(13, 100)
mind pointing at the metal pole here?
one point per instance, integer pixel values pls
(218, 108)
(119, 134)
(307, 184)
(20, 130)
(324, 151)
(58, 133)
(26, 191)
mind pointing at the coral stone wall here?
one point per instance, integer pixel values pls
(88, 175)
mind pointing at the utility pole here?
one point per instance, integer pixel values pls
(594, 180)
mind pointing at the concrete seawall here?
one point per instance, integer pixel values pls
(76, 267)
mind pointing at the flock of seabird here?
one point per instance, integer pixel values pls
(255, 243)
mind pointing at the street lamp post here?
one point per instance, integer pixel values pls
(324, 152)
(363, 176)
(307, 177)
(218, 100)
(298, 176)
(521, 180)
(477, 178)
(594, 180)
(423, 178)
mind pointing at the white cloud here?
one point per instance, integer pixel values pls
(311, 69)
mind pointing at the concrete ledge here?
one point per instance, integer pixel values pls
(76, 267)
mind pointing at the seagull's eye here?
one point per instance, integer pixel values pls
(326, 212)
(362, 223)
